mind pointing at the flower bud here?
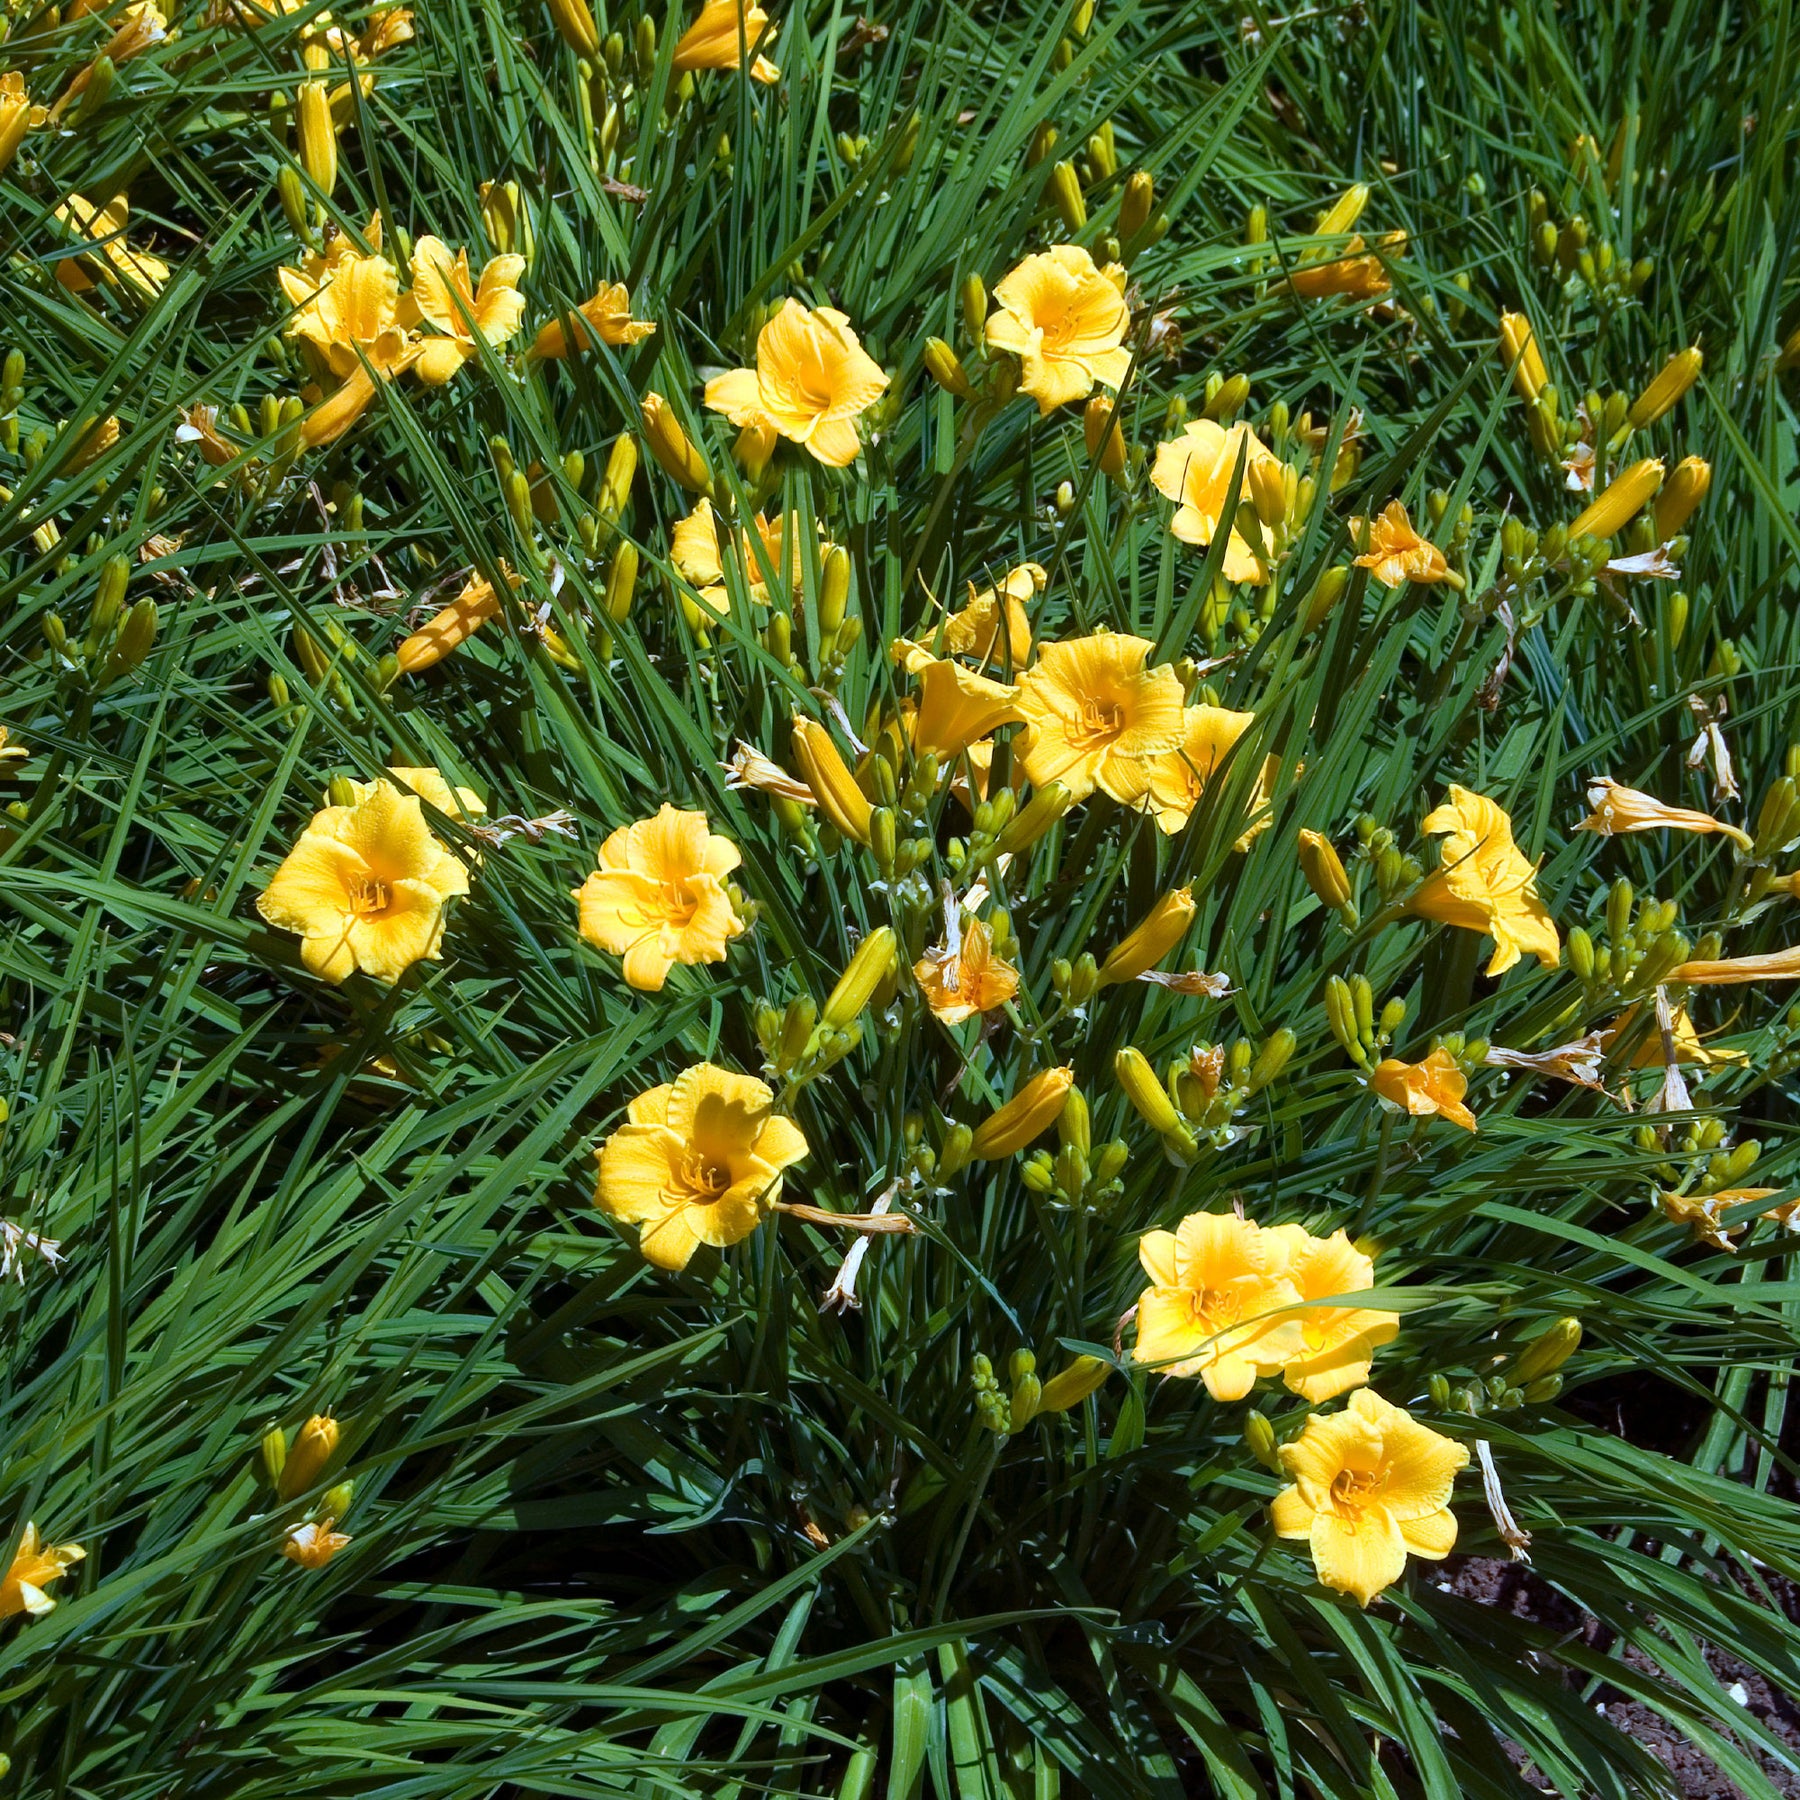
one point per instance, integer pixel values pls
(1519, 351)
(1328, 590)
(307, 1457)
(1681, 495)
(1147, 1095)
(1275, 1055)
(1066, 196)
(1027, 1115)
(1027, 1395)
(1105, 442)
(672, 447)
(318, 136)
(446, 631)
(834, 788)
(1324, 870)
(974, 307)
(1228, 397)
(1542, 1391)
(274, 1455)
(1625, 497)
(1039, 813)
(874, 957)
(1673, 380)
(621, 468)
(621, 583)
(1581, 954)
(1259, 1439)
(337, 1500)
(953, 1158)
(136, 636)
(1160, 930)
(945, 368)
(1084, 1376)
(1547, 1352)
(1074, 1125)
(575, 26)
(1136, 203)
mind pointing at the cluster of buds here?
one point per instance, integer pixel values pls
(1640, 947)
(1008, 1413)
(118, 637)
(1350, 1010)
(1395, 871)
(1530, 1378)
(1078, 1175)
(293, 1470)
(802, 1040)
(1777, 830)
(1584, 260)
(1200, 1097)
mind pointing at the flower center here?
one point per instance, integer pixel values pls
(1353, 1489)
(678, 903)
(1101, 722)
(1216, 1308)
(701, 1181)
(369, 898)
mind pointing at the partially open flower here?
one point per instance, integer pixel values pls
(1621, 809)
(17, 116)
(1371, 1486)
(313, 1544)
(1354, 270)
(995, 614)
(725, 36)
(1066, 322)
(694, 549)
(442, 295)
(1179, 776)
(605, 318)
(34, 1566)
(105, 227)
(1434, 1086)
(1195, 470)
(812, 381)
(1396, 553)
(353, 319)
(1485, 883)
(957, 707)
(699, 1162)
(659, 896)
(1097, 715)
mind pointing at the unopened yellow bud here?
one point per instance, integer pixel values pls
(1084, 1376)
(1547, 1352)
(1625, 497)
(1147, 1095)
(672, 447)
(136, 636)
(1136, 204)
(449, 629)
(1681, 495)
(946, 369)
(974, 306)
(874, 957)
(1327, 592)
(834, 788)
(621, 470)
(1324, 870)
(274, 1454)
(1674, 379)
(1160, 930)
(834, 591)
(1105, 442)
(1519, 351)
(1039, 813)
(1343, 212)
(1066, 195)
(575, 26)
(308, 1456)
(318, 135)
(1270, 482)
(1259, 1439)
(1228, 397)
(621, 583)
(1027, 1115)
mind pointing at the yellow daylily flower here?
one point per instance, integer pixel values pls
(1618, 809)
(956, 706)
(442, 295)
(1177, 779)
(659, 898)
(1433, 1087)
(365, 888)
(1066, 322)
(605, 318)
(1096, 716)
(970, 981)
(1341, 1341)
(812, 381)
(1485, 884)
(1195, 471)
(34, 1566)
(995, 612)
(18, 115)
(694, 550)
(725, 36)
(699, 1162)
(105, 227)
(352, 318)
(313, 1544)
(1216, 1304)
(1371, 1486)
(1397, 554)
(431, 787)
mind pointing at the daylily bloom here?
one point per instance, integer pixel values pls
(1485, 883)
(1620, 809)
(1704, 1214)
(1177, 778)
(1216, 1304)
(1434, 1086)
(17, 116)
(811, 382)
(977, 630)
(105, 226)
(699, 1162)
(1195, 471)
(365, 888)
(1775, 965)
(313, 1544)
(1397, 554)
(956, 706)
(1371, 1485)
(1341, 1341)
(35, 1565)
(606, 319)
(1066, 322)
(694, 550)
(431, 787)
(139, 27)
(353, 320)
(725, 36)
(443, 296)
(1096, 716)
(961, 980)
(659, 896)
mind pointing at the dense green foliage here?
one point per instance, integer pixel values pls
(619, 1532)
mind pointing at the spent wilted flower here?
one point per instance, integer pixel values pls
(1195, 470)
(812, 381)
(1618, 809)
(1097, 715)
(352, 318)
(699, 1162)
(749, 768)
(1704, 1214)
(1773, 965)
(34, 1566)
(1577, 1061)
(313, 1544)
(1341, 1341)
(605, 318)
(1066, 322)
(104, 226)
(1433, 1087)
(442, 295)
(1217, 1302)
(997, 615)
(1176, 779)
(1396, 553)
(15, 1240)
(725, 36)
(365, 887)
(659, 897)
(964, 978)
(1485, 883)
(1371, 1485)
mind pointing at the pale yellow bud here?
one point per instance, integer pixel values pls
(672, 447)
(1324, 870)
(873, 960)
(308, 1456)
(1681, 494)
(1105, 442)
(1518, 349)
(833, 786)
